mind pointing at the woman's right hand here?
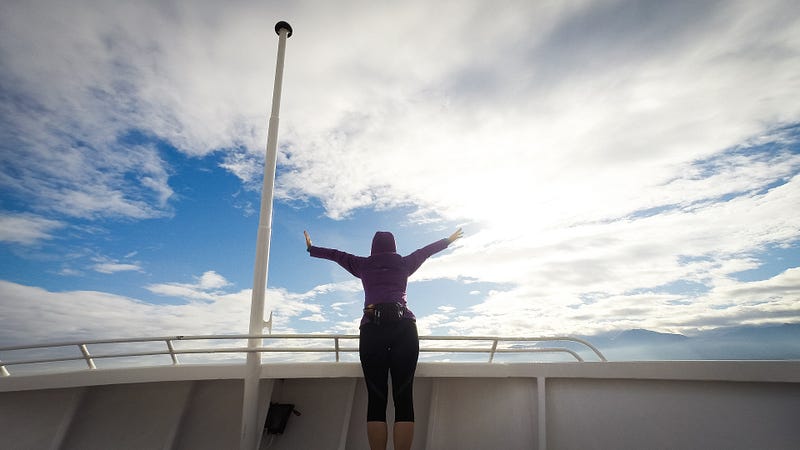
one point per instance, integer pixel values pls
(308, 240)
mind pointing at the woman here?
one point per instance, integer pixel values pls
(388, 340)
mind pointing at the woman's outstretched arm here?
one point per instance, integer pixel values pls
(350, 263)
(415, 259)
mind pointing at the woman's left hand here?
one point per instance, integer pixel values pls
(308, 240)
(457, 235)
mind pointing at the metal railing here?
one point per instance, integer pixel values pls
(494, 346)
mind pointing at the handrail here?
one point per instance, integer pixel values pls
(337, 348)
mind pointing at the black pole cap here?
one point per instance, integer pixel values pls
(283, 25)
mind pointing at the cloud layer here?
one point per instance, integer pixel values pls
(552, 105)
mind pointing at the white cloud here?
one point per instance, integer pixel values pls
(73, 104)
(207, 287)
(339, 306)
(26, 229)
(111, 267)
(630, 252)
(286, 306)
(552, 109)
(37, 315)
(33, 314)
(69, 272)
(212, 280)
(524, 312)
(508, 143)
(315, 318)
(427, 324)
(351, 285)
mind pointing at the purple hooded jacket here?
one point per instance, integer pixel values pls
(384, 274)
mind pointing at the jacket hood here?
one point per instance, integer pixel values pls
(383, 242)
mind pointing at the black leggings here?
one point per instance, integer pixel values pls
(389, 347)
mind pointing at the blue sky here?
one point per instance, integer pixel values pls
(614, 165)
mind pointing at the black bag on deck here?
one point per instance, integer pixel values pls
(278, 417)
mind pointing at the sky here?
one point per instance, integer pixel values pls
(614, 165)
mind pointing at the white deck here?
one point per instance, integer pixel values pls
(594, 405)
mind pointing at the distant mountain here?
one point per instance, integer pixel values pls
(742, 342)
(783, 331)
(750, 342)
(641, 336)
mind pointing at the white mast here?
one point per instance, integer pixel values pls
(251, 431)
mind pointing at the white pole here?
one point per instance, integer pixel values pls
(251, 431)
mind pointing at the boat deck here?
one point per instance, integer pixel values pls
(595, 405)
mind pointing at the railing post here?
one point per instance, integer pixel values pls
(541, 411)
(494, 349)
(87, 356)
(172, 352)
(336, 345)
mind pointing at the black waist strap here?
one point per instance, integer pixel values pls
(385, 312)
